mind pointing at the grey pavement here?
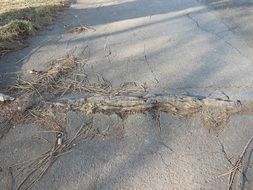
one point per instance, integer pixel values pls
(174, 46)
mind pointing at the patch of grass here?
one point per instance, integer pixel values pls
(22, 18)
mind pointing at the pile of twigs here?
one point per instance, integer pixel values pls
(45, 81)
(57, 80)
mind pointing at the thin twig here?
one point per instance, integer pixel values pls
(232, 173)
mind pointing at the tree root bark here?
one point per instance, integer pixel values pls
(213, 112)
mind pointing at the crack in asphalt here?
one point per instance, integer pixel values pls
(151, 70)
(216, 35)
(107, 49)
(223, 150)
(163, 161)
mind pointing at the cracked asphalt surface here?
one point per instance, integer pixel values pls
(177, 46)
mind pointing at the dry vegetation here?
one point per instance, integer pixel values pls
(21, 18)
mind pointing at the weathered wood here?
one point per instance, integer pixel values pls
(167, 103)
(213, 112)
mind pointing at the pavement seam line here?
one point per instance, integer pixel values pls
(149, 66)
(216, 35)
(223, 150)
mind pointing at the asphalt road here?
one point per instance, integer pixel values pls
(177, 46)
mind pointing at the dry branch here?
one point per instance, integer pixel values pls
(238, 165)
(142, 102)
(214, 112)
(182, 105)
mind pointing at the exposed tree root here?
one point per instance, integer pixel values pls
(214, 113)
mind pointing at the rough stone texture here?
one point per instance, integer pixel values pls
(178, 46)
